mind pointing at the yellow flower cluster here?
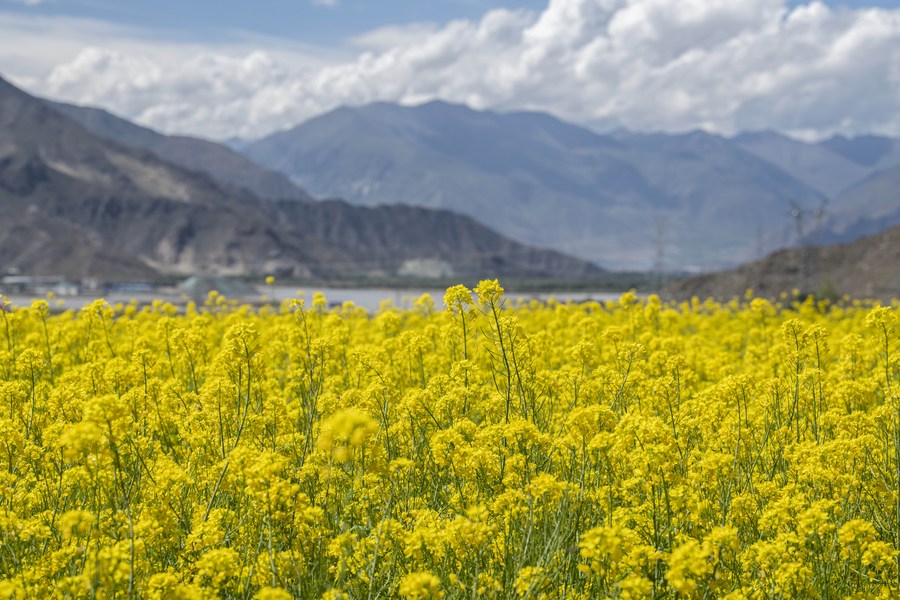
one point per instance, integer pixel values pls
(631, 449)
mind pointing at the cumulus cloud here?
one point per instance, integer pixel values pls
(385, 38)
(722, 65)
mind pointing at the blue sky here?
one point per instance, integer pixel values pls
(239, 68)
(304, 20)
(307, 20)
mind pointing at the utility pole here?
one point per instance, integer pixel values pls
(659, 262)
(805, 239)
(797, 213)
(760, 242)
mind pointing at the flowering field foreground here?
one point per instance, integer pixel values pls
(632, 449)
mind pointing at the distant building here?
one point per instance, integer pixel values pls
(38, 285)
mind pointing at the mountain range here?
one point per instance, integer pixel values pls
(692, 201)
(86, 191)
(85, 204)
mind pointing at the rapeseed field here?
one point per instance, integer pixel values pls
(631, 449)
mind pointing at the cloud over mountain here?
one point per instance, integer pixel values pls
(722, 65)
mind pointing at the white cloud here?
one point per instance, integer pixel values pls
(385, 38)
(328, 3)
(723, 65)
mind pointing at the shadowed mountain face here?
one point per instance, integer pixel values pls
(860, 177)
(616, 199)
(871, 151)
(815, 165)
(80, 205)
(867, 207)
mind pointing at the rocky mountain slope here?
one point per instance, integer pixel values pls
(79, 205)
(866, 268)
(422, 242)
(220, 162)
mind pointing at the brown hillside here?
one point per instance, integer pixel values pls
(866, 268)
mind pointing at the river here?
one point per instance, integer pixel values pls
(370, 299)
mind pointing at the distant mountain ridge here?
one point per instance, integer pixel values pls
(621, 199)
(627, 200)
(815, 165)
(79, 205)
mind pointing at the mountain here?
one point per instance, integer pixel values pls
(832, 166)
(726, 204)
(423, 243)
(870, 151)
(815, 165)
(35, 243)
(868, 207)
(127, 202)
(858, 176)
(220, 162)
(236, 143)
(79, 205)
(866, 268)
(619, 199)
